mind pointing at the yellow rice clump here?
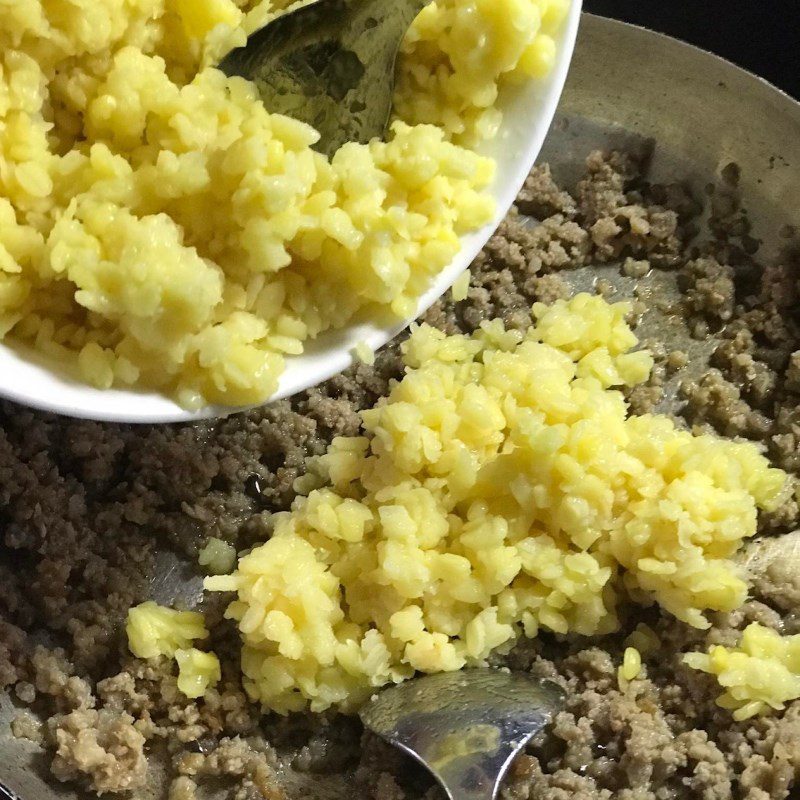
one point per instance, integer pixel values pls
(762, 673)
(364, 353)
(159, 228)
(197, 671)
(154, 630)
(460, 290)
(500, 488)
(218, 557)
(458, 55)
(630, 668)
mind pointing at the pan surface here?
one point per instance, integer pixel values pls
(627, 85)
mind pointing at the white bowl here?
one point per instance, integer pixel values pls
(528, 114)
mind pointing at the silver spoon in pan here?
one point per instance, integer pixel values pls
(465, 727)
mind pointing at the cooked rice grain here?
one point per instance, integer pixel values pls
(160, 229)
(762, 673)
(501, 488)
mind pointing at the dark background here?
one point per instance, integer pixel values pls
(760, 35)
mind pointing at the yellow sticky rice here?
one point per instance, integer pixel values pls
(218, 557)
(159, 228)
(762, 673)
(154, 630)
(500, 488)
(197, 671)
(630, 668)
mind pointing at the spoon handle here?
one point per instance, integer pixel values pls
(472, 794)
(469, 784)
(7, 794)
(470, 779)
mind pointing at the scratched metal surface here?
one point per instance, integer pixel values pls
(626, 84)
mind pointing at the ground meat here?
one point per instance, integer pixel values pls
(26, 726)
(718, 402)
(709, 289)
(541, 197)
(102, 745)
(558, 243)
(182, 788)
(635, 269)
(793, 374)
(253, 766)
(87, 509)
(618, 222)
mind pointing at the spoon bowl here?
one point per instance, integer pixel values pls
(528, 111)
(330, 64)
(465, 727)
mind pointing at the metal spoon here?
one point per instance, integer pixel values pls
(465, 727)
(330, 64)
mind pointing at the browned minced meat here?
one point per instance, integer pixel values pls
(85, 508)
(103, 745)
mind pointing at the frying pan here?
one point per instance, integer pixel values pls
(627, 85)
